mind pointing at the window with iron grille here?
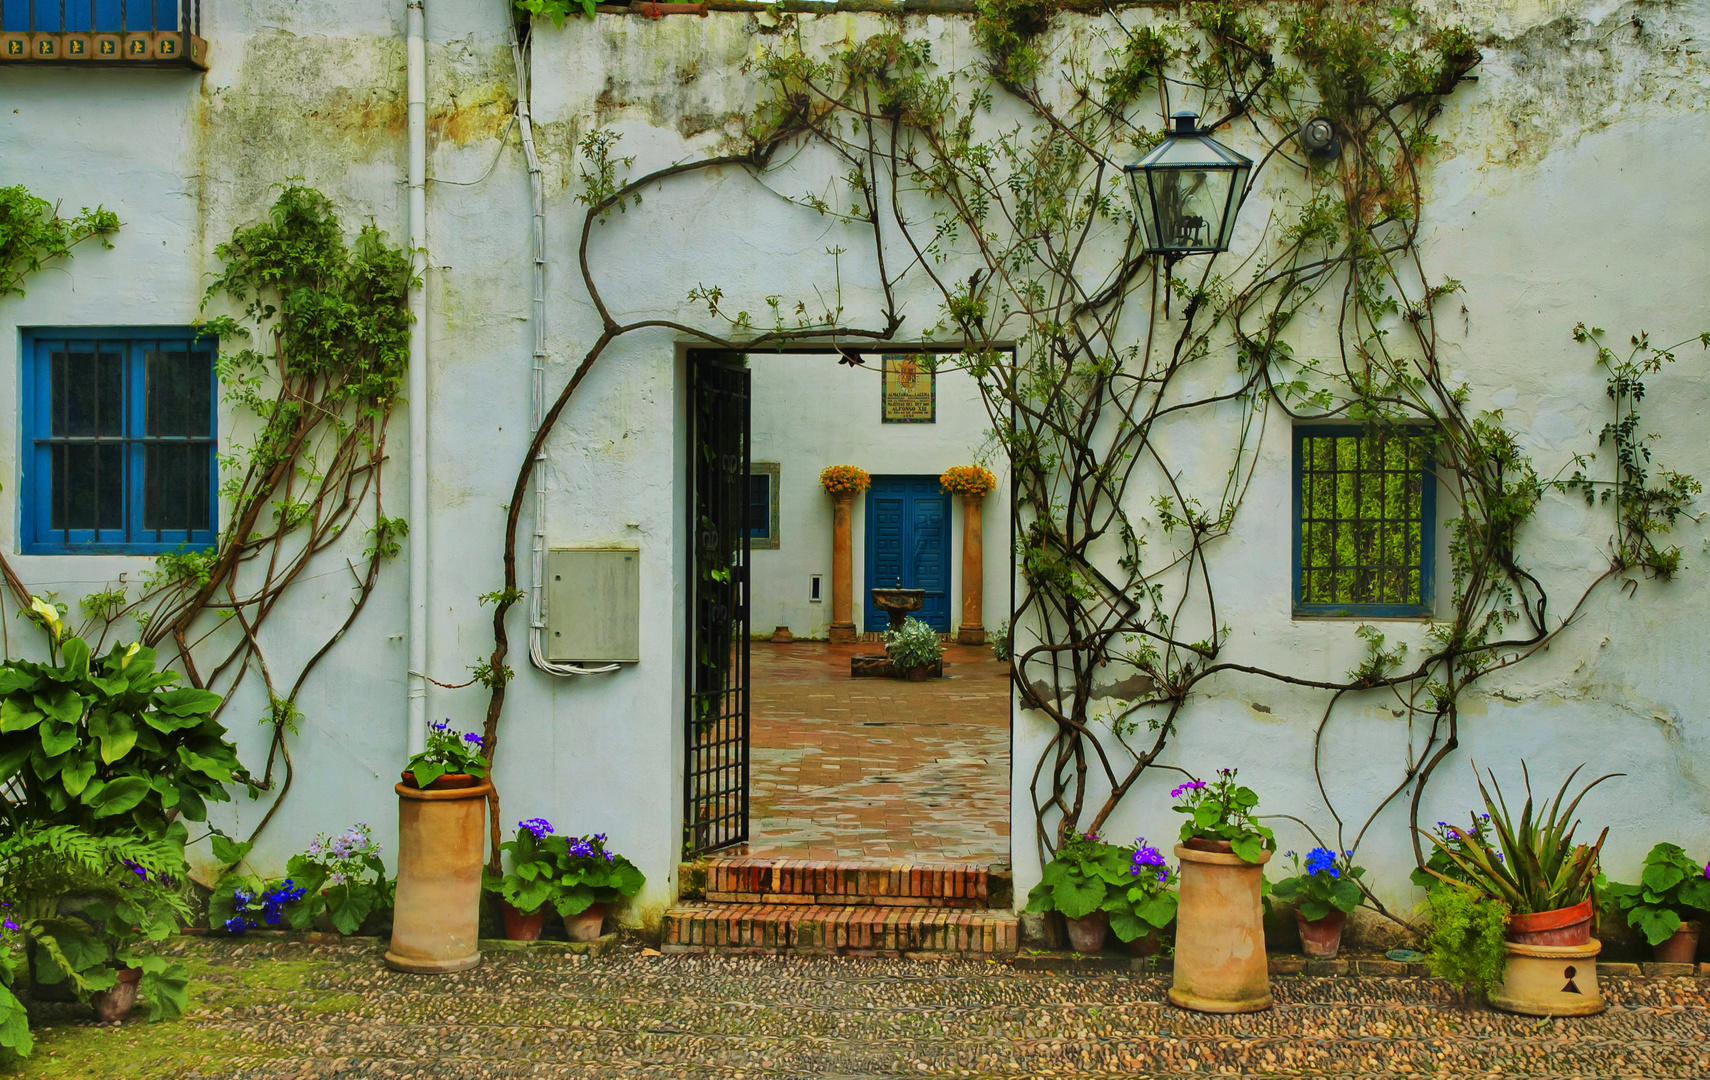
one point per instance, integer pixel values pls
(99, 16)
(763, 504)
(119, 436)
(1364, 508)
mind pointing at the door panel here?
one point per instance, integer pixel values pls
(908, 546)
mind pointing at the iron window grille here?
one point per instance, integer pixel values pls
(1365, 522)
(149, 33)
(120, 439)
(763, 505)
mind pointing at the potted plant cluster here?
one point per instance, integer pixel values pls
(1144, 905)
(1323, 892)
(1076, 883)
(1668, 904)
(1220, 963)
(591, 881)
(334, 886)
(914, 650)
(531, 883)
(442, 818)
(1529, 865)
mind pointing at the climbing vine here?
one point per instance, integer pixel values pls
(997, 188)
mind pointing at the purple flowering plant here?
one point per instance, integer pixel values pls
(1326, 882)
(534, 857)
(344, 878)
(448, 751)
(589, 874)
(1223, 810)
(1146, 903)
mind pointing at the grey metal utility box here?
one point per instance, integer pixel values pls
(593, 604)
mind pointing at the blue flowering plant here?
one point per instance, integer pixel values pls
(1325, 882)
(538, 860)
(243, 901)
(1223, 810)
(1085, 874)
(589, 874)
(1672, 889)
(448, 752)
(1145, 902)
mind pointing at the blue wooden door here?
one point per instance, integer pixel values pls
(908, 546)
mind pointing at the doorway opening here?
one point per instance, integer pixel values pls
(788, 753)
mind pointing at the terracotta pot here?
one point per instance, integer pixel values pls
(521, 925)
(919, 674)
(587, 925)
(1550, 980)
(1321, 938)
(1563, 926)
(441, 839)
(1147, 944)
(112, 1006)
(1220, 932)
(1681, 947)
(449, 780)
(1087, 933)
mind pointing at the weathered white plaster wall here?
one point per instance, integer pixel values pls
(1566, 189)
(810, 411)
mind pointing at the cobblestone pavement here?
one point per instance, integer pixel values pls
(878, 768)
(281, 1011)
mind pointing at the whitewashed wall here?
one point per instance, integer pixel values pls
(809, 412)
(1567, 188)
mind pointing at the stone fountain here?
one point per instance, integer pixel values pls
(897, 603)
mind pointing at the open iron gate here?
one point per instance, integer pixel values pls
(715, 765)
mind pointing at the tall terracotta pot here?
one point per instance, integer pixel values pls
(441, 841)
(1220, 932)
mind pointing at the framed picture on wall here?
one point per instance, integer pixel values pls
(910, 389)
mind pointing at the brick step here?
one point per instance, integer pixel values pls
(838, 930)
(846, 882)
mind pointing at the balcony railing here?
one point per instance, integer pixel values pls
(118, 33)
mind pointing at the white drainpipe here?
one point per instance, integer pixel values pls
(417, 391)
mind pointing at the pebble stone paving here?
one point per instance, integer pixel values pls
(878, 768)
(296, 1011)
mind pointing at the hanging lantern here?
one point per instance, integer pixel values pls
(1187, 191)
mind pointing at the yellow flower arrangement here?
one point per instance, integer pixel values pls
(844, 479)
(969, 480)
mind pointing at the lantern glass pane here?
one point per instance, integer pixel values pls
(1192, 206)
(1237, 186)
(1142, 193)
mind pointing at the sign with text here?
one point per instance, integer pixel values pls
(910, 389)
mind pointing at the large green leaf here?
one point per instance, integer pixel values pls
(1661, 877)
(12, 759)
(116, 732)
(120, 795)
(1076, 899)
(74, 659)
(229, 851)
(1159, 909)
(1658, 924)
(60, 702)
(207, 765)
(56, 737)
(18, 713)
(14, 1024)
(1345, 895)
(1251, 848)
(187, 701)
(15, 678)
(1127, 927)
(76, 773)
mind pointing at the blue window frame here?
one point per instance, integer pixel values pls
(1364, 522)
(119, 436)
(85, 15)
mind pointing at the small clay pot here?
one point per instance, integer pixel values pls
(1321, 939)
(587, 925)
(1681, 947)
(112, 1006)
(1087, 933)
(521, 925)
(919, 674)
(449, 780)
(1563, 926)
(1147, 944)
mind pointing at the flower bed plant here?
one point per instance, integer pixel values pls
(1083, 875)
(535, 857)
(339, 881)
(1327, 882)
(844, 479)
(916, 645)
(448, 752)
(1672, 889)
(1146, 902)
(589, 874)
(1223, 810)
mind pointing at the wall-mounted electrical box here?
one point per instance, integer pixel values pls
(593, 604)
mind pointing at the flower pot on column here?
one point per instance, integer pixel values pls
(842, 483)
(973, 483)
(442, 831)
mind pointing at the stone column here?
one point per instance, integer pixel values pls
(842, 570)
(973, 628)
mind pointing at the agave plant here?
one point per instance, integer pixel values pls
(1529, 863)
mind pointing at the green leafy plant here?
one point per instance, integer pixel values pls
(1223, 810)
(1529, 862)
(1672, 889)
(1000, 641)
(1083, 876)
(916, 645)
(447, 752)
(33, 234)
(107, 743)
(1328, 882)
(535, 856)
(556, 10)
(589, 874)
(1146, 903)
(1467, 944)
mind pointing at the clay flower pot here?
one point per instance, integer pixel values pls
(1550, 980)
(1087, 933)
(1220, 932)
(441, 839)
(918, 674)
(449, 780)
(1563, 926)
(1681, 947)
(112, 1006)
(1321, 939)
(521, 925)
(587, 925)
(1147, 944)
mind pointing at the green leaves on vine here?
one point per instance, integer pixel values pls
(32, 234)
